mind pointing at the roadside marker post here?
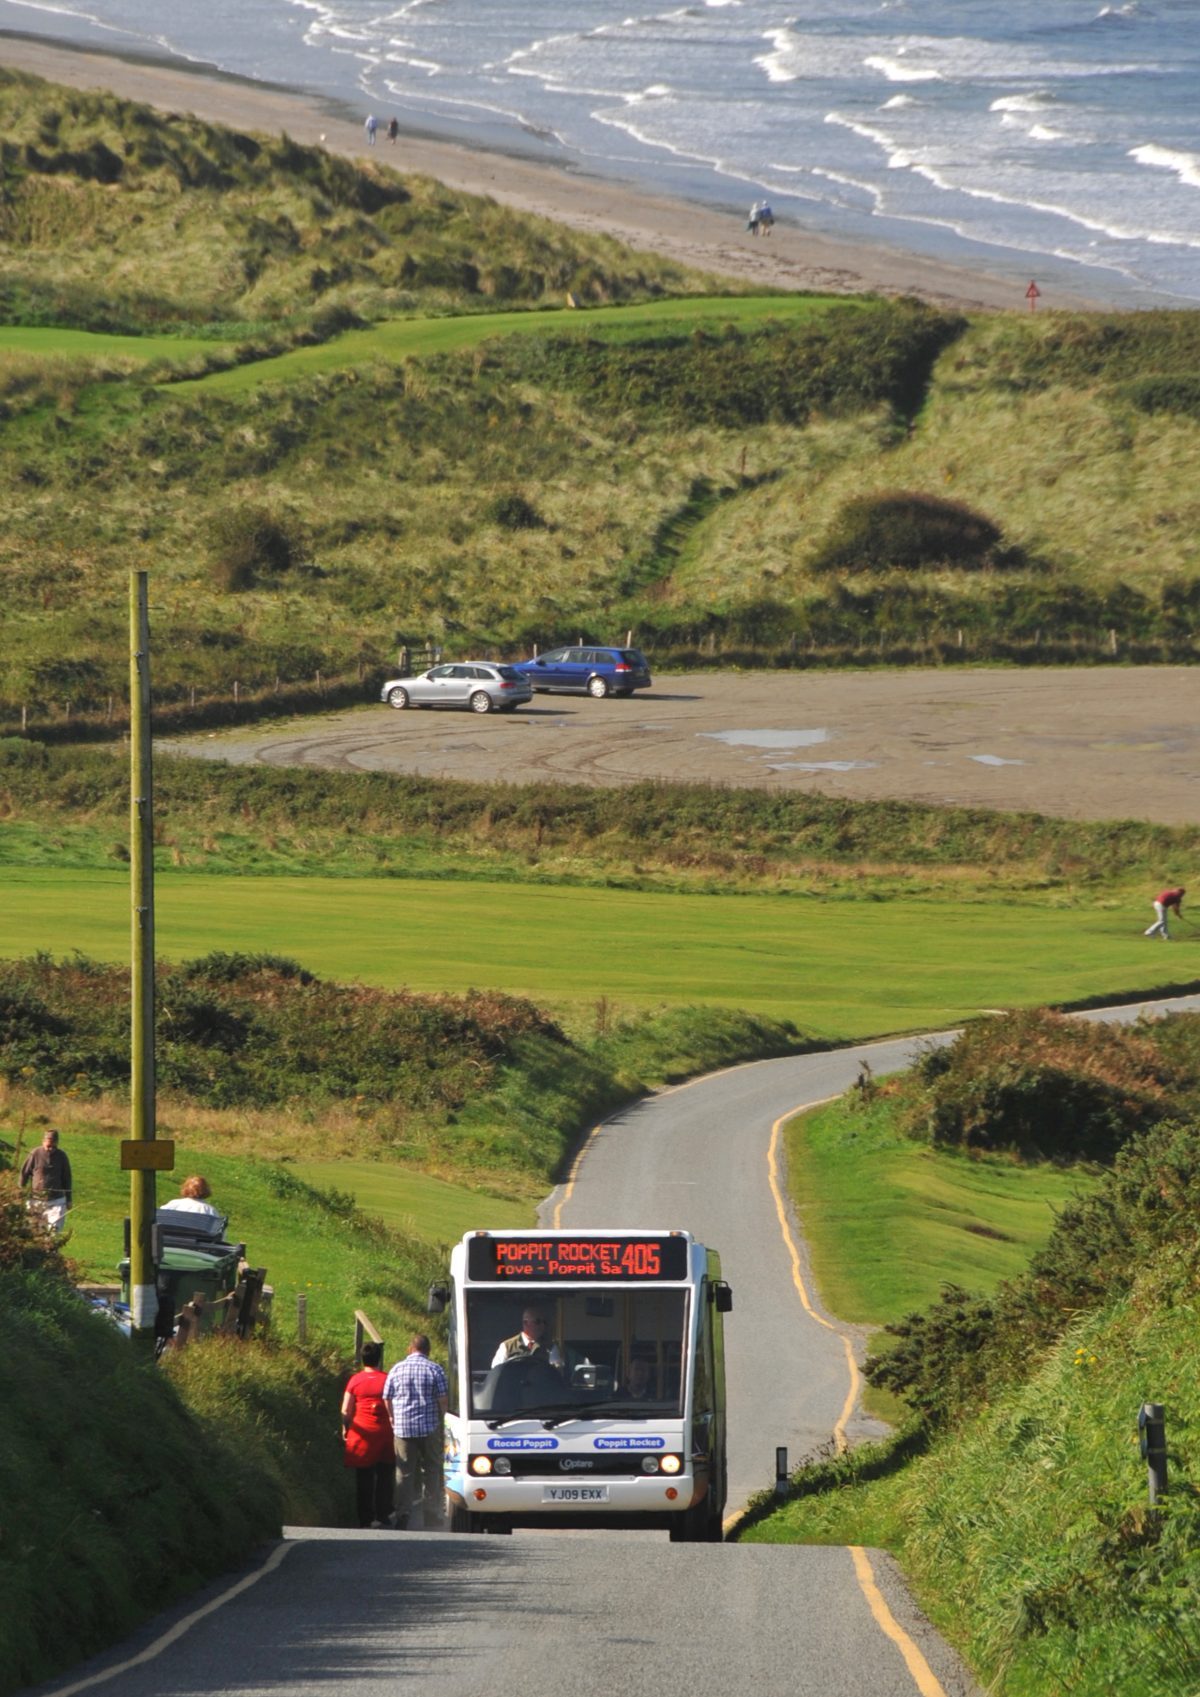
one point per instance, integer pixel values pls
(1033, 294)
(1152, 1432)
(781, 1472)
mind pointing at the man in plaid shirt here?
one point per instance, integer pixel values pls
(416, 1393)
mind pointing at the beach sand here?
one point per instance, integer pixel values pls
(691, 234)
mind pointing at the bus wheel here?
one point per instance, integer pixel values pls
(691, 1527)
(458, 1520)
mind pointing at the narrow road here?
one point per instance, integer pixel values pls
(565, 1614)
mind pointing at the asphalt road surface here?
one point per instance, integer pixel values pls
(563, 1614)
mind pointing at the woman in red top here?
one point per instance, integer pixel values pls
(367, 1435)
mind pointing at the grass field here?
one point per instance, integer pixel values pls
(889, 1221)
(405, 338)
(414, 1204)
(838, 969)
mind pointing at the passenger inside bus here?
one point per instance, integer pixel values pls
(639, 1381)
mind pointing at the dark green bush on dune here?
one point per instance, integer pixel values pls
(906, 529)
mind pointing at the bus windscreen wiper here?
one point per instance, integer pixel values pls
(550, 1412)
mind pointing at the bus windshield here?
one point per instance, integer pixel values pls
(561, 1354)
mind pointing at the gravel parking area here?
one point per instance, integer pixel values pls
(1117, 742)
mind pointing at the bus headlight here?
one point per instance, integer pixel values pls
(481, 1464)
(649, 1464)
(503, 1464)
(672, 1463)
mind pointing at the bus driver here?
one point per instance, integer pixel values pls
(530, 1340)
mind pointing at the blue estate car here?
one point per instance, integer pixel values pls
(598, 671)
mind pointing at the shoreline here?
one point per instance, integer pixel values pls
(692, 234)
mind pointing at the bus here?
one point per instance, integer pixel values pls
(586, 1382)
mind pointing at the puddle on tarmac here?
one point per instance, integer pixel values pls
(993, 760)
(767, 739)
(821, 765)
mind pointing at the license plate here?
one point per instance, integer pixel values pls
(574, 1493)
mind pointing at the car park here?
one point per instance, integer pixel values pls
(481, 685)
(591, 670)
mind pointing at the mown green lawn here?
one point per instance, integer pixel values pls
(839, 969)
(401, 338)
(889, 1222)
(90, 344)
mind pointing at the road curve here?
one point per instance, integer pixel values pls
(366, 1614)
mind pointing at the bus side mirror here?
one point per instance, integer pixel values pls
(439, 1296)
(722, 1296)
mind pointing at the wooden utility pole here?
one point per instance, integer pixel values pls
(139, 1154)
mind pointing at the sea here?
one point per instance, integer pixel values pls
(1057, 138)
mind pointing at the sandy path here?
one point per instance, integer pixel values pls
(1101, 744)
(693, 235)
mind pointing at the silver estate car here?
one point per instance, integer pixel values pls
(481, 685)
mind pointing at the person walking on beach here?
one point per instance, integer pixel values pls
(371, 125)
(752, 219)
(393, 130)
(1168, 901)
(47, 1172)
(416, 1392)
(765, 218)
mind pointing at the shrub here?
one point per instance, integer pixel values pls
(1179, 393)
(1041, 1084)
(512, 512)
(905, 529)
(249, 543)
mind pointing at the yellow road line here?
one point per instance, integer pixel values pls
(177, 1631)
(918, 1667)
(839, 1430)
(923, 1675)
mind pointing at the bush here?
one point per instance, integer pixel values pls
(512, 512)
(1179, 393)
(247, 544)
(906, 530)
(1040, 1084)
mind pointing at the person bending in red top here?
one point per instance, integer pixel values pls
(1163, 904)
(367, 1435)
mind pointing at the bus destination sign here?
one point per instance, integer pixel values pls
(498, 1259)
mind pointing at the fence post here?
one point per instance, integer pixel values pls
(301, 1318)
(24, 716)
(1112, 642)
(318, 679)
(236, 689)
(192, 696)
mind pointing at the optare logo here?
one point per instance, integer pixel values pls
(572, 1463)
(522, 1443)
(629, 1443)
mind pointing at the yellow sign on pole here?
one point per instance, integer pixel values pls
(139, 1155)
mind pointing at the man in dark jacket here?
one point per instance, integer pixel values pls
(47, 1172)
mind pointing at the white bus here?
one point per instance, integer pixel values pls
(587, 1381)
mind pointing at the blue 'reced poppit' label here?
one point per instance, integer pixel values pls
(522, 1443)
(630, 1443)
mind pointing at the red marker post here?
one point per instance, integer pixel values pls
(1032, 295)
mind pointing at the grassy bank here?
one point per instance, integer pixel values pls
(68, 807)
(173, 1477)
(1016, 1498)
